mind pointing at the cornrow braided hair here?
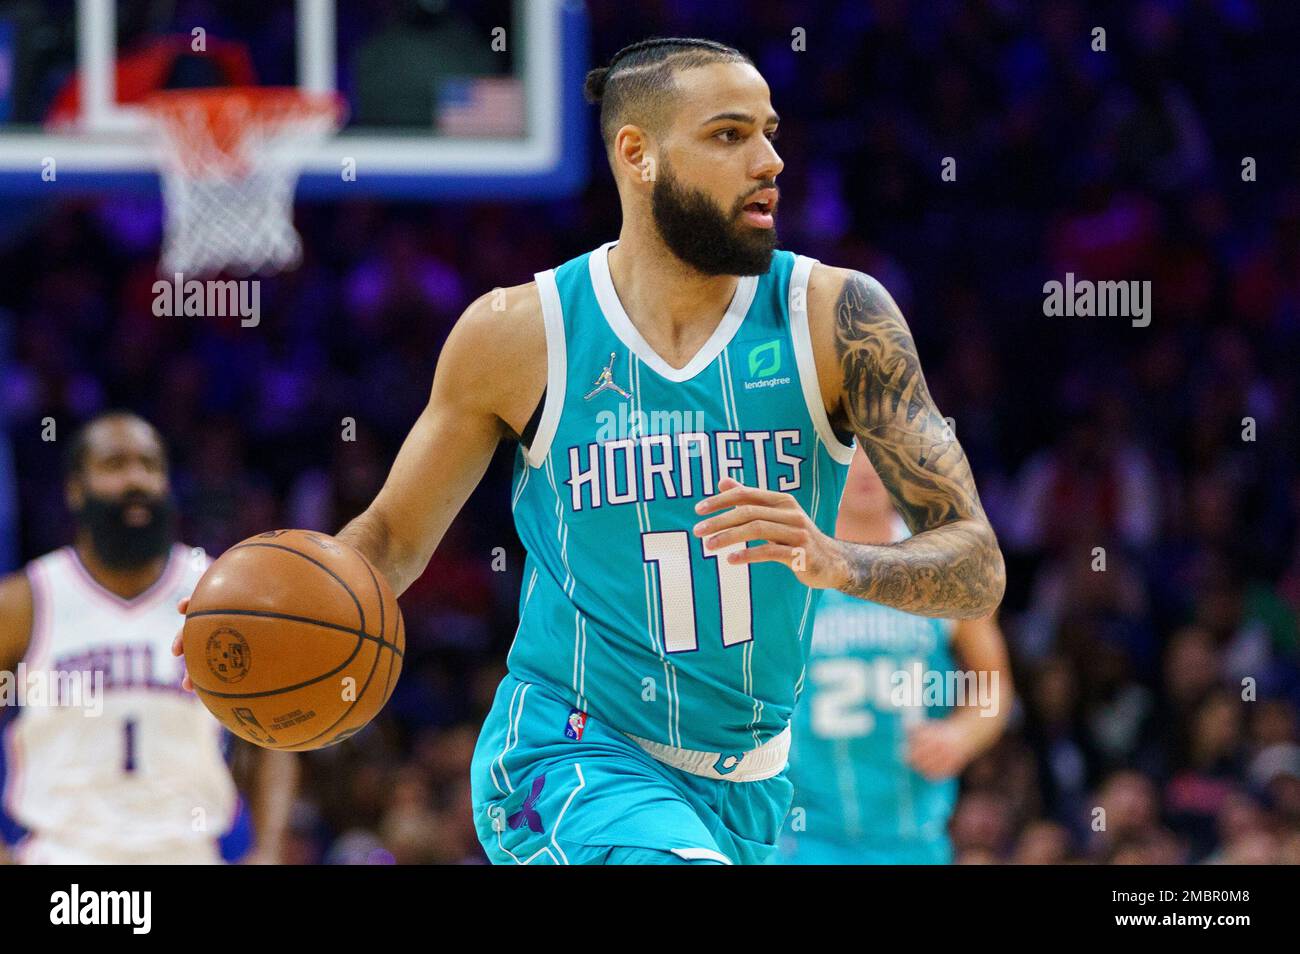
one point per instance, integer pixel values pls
(642, 71)
(667, 46)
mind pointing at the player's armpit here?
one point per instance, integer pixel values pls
(952, 566)
(490, 375)
(15, 619)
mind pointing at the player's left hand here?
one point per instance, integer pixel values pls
(938, 748)
(789, 533)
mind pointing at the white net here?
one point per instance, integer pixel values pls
(231, 159)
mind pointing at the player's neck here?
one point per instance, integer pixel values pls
(127, 584)
(658, 290)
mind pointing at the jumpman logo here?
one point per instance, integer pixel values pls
(605, 382)
(527, 815)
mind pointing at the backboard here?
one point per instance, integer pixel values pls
(445, 99)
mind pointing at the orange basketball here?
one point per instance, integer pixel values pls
(293, 640)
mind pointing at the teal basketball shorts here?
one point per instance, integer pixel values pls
(552, 785)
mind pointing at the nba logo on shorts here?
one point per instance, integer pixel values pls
(577, 722)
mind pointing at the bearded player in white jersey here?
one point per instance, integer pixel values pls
(108, 760)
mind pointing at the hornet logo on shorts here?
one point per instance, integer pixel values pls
(576, 724)
(527, 815)
(605, 381)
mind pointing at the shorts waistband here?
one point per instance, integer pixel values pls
(766, 761)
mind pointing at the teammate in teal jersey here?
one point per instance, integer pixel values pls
(878, 741)
(686, 399)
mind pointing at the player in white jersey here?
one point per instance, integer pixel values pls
(107, 759)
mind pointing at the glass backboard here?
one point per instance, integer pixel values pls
(444, 98)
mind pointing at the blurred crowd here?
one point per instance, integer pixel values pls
(1143, 480)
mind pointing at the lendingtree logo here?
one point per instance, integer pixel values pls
(765, 359)
(764, 366)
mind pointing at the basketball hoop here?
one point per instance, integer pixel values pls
(231, 158)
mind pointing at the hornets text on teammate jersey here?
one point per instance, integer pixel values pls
(622, 610)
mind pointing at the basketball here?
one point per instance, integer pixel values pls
(293, 640)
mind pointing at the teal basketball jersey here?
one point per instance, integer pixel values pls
(866, 685)
(621, 611)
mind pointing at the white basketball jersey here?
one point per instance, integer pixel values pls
(141, 780)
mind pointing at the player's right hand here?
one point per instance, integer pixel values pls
(178, 649)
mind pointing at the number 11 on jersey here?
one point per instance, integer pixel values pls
(670, 552)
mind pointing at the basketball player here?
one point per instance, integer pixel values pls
(878, 740)
(678, 395)
(115, 763)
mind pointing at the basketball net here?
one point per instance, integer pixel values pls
(231, 159)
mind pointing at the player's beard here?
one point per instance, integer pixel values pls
(118, 544)
(703, 234)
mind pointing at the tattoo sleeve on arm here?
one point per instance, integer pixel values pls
(952, 567)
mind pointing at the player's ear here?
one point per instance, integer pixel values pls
(635, 155)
